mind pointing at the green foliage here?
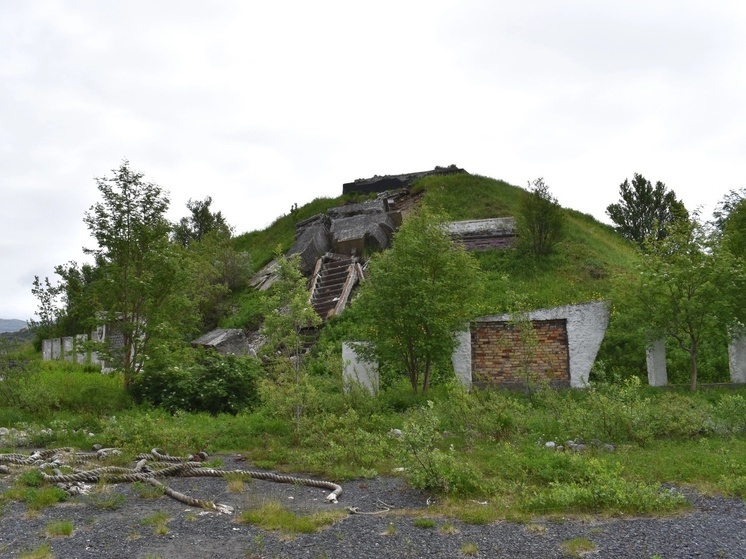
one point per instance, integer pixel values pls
(344, 445)
(462, 196)
(427, 466)
(201, 222)
(44, 551)
(541, 221)
(273, 516)
(59, 528)
(139, 269)
(147, 490)
(37, 498)
(678, 289)
(492, 415)
(286, 327)
(16, 372)
(644, 211)
(143, 430)
(247, 310)
(208, 382)
(59, 386)
(577, 547)
(425, 523)
(216, 269)
(419, 293)
(106, 500)
(602, 487)
(262, 245)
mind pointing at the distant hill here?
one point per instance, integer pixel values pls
(11, 325)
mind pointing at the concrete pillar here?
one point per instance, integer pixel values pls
(81, 355)
(656, 360)
(67, 348)
(357, 370)
(56, 349)
(737, 359)
(95, 360)
(46, 350)
(461, 358)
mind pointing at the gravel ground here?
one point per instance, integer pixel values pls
(714, 528)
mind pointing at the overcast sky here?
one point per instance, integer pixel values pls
(263, 104)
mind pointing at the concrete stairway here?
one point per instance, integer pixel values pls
(332, 281)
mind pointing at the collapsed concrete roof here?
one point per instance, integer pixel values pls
(226, 341)
(352, 229)
(393, 182)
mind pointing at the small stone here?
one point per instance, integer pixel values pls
(4, 432)
(609, 447)
(580, 448)
(550, 444)
(395, 433)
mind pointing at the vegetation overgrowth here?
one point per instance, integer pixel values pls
(291, 412)
(485, 445)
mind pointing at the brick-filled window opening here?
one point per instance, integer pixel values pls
(516, 352)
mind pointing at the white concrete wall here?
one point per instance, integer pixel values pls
(357, 370)
(655, 356)
(67, 348)
(461, 358)
(737, 359)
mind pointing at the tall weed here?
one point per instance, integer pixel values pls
(602, 487)
(426, 464)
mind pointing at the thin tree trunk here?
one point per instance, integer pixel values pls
(693, 364)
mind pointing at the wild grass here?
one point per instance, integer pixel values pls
(425, 523)
(59, 529)
(577, 547)
(261, 245)
(273, 516)
(159, 521)
(44, 551)
(496, 437)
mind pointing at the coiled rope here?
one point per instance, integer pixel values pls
(148, 468)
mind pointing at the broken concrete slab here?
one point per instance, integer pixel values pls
(228, 341)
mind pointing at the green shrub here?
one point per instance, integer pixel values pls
(213, 383)
(342, 446)
(731, 413)
(680, 416)
(602, 487)
(426, 465)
